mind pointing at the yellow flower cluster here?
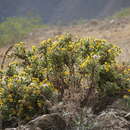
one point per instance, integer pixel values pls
(20, 91)
(85, 62)
(107, 66)
(34, 48)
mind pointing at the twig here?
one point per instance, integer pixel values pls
(5, 56)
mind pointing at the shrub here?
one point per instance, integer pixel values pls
(123, 13)
(23, 97)
(59, 63)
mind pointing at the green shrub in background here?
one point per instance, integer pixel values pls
(13, 29)
(58, 64)
(124, 12)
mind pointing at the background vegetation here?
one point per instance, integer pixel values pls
(123, 13)
(14, 29)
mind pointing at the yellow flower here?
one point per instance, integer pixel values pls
(99, 41)
(49, 40)
(54, 45)
(110, 50)
(85, 62)
(1, 90)
(10, 85)
(125, 96)
(13, 63)
(37, 92)
(70, 47)
(62, 49)
(125, 71)
(50, 50)
(34, 57)
(66, 73)
(46, 83)
(15, 76)
(107, 67)
(43, 43)
(61, 37)
(33, 48)
(35, 79)
(19, 44)
(77, 45)
(91, 46)
(1, 102)
(128, 90)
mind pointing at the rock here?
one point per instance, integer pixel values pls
(57, 108)
(120, 104)
(110, 120)
(46, 122)
(127, 116)
(112, 21)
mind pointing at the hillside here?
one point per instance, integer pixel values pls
(62, 10)
(116, 31)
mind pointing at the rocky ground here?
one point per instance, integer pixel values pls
(109, 119)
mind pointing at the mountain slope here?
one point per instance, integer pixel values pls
(116, 31)
(62, 10)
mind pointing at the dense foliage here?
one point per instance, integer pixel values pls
(38, 74)
(14, 29)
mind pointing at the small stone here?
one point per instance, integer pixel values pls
(127, 116)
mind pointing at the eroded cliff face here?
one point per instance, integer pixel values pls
(62, 10)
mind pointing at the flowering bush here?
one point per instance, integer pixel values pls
(23, 96)
(57, 64)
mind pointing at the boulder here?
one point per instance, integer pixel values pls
(46, 122)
